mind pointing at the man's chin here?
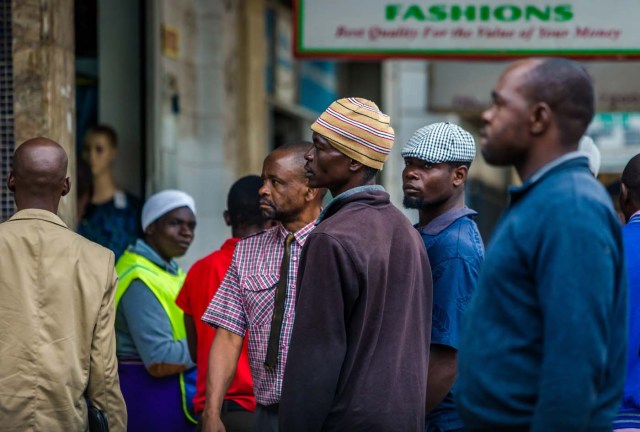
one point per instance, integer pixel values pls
(494, 159)
(314, 183)
(413, 203)
(268, 214)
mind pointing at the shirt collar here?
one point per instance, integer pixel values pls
(346, 194)
(572, 158)
(442, 222)
(39, 214)
(554, 163)
(143, 249)
(300, 236)
(635, 217)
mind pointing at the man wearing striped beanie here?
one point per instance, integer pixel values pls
(358, 356)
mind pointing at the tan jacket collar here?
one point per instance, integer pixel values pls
(44, 215)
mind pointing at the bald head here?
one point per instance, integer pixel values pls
(39, 174)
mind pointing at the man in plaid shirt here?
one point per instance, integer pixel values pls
(246, 298)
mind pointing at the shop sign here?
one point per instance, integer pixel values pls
(448, 29)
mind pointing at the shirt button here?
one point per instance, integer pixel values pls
(294, 258)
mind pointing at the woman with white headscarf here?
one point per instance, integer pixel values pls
(157, 374)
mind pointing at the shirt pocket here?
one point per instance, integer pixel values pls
(260, 292)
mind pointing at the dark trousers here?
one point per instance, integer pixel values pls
(234, 418)
(266, 418)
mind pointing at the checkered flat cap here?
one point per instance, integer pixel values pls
(441, 142)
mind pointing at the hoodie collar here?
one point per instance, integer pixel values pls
(338, 202)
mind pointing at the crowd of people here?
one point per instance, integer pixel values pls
(339, 316)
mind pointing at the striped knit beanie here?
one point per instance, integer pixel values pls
(358, 129)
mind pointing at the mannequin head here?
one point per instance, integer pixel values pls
(99, 150)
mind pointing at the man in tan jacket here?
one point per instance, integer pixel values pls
(57, 339)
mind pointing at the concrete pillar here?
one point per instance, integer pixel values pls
(252, 94)
(43, 77)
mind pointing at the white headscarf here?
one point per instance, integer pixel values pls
(163, 202)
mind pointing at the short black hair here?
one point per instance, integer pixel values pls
(567, 88)
(297, 148)
(106, 130)
(456, 164)
(631, 177)
(369, 173)
(243, 202)
(300, 147)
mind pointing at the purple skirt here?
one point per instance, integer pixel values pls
(153, 404)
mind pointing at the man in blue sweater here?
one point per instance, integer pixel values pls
(544, 339)
(629, 416)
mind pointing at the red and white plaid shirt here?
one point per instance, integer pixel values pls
(246, 297)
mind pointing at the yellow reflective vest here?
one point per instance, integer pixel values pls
(165, 287)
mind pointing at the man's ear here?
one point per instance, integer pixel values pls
(66, 186)
(624, 195)
(227, 217)
(11, 182)
(540, 118)
(354, 165)
(310, 194)
(459, 175)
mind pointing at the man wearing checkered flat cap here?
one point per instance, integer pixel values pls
(359, 352)
(437, 160)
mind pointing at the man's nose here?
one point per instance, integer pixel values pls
(263, 189)
(486, 115)
(410, 174)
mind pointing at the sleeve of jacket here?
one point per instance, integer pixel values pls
(104, 386)
(326, 282)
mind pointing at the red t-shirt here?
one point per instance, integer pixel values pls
(201, 284)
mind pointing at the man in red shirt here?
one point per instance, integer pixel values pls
(245, 218)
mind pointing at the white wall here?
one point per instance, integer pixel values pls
(187, 149)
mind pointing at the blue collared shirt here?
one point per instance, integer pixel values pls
(456, 252)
